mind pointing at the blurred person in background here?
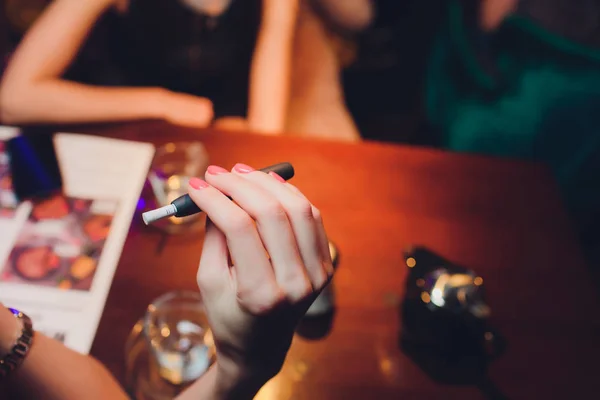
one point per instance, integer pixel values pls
(521, 79)
(311, 102)
(173, 60)
(325, 43)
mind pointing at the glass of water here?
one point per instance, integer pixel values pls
(179, 337)
(173, 166)
(170, 347)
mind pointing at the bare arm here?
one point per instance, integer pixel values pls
(32, 90)
(52, 371)
(271, 67)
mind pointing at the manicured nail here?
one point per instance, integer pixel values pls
(243, 168)
(276, 176)
(198, 183)
(216, 170)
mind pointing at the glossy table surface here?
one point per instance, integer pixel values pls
(501, 218)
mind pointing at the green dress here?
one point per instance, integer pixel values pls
(521, 92)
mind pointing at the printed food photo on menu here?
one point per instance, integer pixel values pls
(61, 243)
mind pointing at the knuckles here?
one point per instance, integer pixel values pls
(270, 210)
(316, 214)
(320, 279)
(296, 286)
(301, 208)
(260, 299)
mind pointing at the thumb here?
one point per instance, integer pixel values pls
(213, 271)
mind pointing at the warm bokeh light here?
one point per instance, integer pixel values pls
(165, 331)
(170, 147)
(174, 183)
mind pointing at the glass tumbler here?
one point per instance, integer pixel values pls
(170, 348)
(173, 166)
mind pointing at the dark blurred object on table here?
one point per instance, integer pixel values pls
(445, 320)
(318, 320)
(34, 164)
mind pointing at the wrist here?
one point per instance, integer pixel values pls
(233, 382)
(10, 330)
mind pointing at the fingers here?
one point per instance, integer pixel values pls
(274, 228)
(302, 219)
(266, 214)
(322, 235)
(256, 287)
(213, 271)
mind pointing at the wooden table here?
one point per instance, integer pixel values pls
(501, 218)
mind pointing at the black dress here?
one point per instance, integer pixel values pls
(164, 43)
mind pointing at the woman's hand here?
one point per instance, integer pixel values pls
(185, 109)
(265, 259)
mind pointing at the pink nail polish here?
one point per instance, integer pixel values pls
(243, 168)
(216, 170)
(198, 183)
(276, 176)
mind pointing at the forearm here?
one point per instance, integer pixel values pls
(52, 371)
(59, 101)
(271, 68)
(32, 90)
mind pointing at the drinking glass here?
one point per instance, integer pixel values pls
(171, 347)
(173, 166)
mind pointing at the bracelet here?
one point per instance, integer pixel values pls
(19, 351)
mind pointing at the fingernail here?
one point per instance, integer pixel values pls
(276, 176)
(243, 168)
(198, 183)
(216, 170)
